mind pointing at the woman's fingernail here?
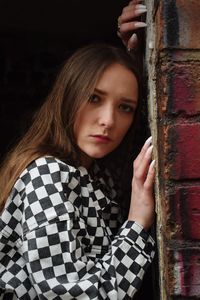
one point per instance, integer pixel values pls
(149, 140)
(140, 6)
(140, 11)
(152, 164)
(133, 39)
(149, 151)
(140, 24)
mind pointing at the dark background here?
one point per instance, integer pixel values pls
(36, 36)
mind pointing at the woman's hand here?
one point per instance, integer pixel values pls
(128, 23)
(142, 200)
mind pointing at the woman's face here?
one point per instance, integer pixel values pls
(103, 121)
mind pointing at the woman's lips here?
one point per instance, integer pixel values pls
(101, 138)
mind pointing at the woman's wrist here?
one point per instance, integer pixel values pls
(146, 224)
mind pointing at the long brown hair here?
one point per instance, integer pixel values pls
(52, 130)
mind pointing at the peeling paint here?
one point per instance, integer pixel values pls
(179, 286)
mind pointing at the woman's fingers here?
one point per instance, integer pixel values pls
(141, 168)
(148, 183)
(132, 42)
(131, 12)
(133, 2)
(129, 27)
(140, 157)
(142, 200)
(128, 22)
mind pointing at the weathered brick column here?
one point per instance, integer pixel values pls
(173, 68)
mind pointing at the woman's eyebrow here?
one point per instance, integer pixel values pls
(129, 100)
(125, 99)
(100, 91)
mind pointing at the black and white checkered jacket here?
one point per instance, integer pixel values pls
(57, 239)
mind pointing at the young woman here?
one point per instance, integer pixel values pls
(63, 234)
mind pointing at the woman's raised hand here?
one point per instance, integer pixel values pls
(128, 23)
(142, 207)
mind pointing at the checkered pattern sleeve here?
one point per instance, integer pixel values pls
(68, 251)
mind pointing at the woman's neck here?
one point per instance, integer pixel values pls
(86, 161)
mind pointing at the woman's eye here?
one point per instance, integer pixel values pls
(93, 98)
(127, 108)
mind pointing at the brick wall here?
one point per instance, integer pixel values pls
(173, 63)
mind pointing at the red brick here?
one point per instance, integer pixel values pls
(184, 143)
(178, 89)
(178, 24)
(189, 23)
(184, 216)
(184, 87)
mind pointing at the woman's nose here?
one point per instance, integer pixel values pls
(107, 117)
